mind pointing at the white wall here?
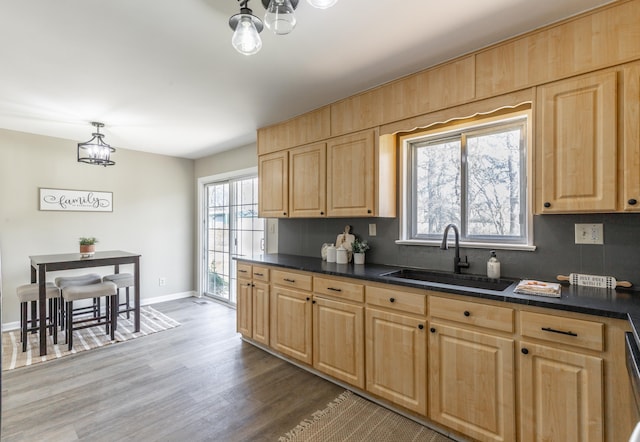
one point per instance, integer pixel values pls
(228, 161)
(153, 212)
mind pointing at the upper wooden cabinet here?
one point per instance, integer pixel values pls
(631, 139)
(273, 178)
(304, 129)
(307, 181)
(360, 176)
(588, 42)
(576, 147)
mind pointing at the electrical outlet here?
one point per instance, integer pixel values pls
(372, 230)
(589, 234)
(162, 281)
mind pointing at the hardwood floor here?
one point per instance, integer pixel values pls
(196, 382)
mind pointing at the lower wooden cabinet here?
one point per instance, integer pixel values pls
(338, 340)
(472, 383)
(244, 307)
(396, 358)
(561, 395)
(291, 323)
(260, 313)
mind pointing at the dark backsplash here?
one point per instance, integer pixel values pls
(556, 252)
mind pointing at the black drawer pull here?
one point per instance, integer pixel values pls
(633, 202)
(258, 274)
(432, 330)
(568, 333)
(289, 280)
(308, 299)
(525, 351)
(392, 299)
(547, 204)
(420, 326)
(334, 290)
(242, 271)
(467, 313)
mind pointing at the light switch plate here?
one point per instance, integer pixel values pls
(372, 230)
(589, 234)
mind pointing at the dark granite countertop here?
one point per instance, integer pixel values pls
(621, 304)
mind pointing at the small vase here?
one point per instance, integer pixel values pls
(358, 258)
(87, 250)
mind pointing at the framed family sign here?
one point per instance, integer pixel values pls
(67, 200)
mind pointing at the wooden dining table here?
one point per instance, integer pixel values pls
(41, 264)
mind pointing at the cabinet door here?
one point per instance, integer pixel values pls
(273, 178)
(260, 296)
(472, 385)
(396, 359)
(244, 322)
(291, 323)
(560, 395)
(351, 175)
(631, 152)
(307, 178)
(577, 145)
(338, 340)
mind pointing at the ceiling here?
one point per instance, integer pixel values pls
(163, 77)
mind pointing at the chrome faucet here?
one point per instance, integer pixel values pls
(457, 262)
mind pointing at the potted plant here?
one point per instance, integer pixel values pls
(87, 246)
(359, 247)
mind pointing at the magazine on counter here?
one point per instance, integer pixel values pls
(538, 288)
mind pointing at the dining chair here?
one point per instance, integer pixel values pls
(76, 320)
(30, 293)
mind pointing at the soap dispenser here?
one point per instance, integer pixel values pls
(493, 266)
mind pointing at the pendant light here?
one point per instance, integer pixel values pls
(247, 28)
(322, 4)
(96, 151)
(280, 17)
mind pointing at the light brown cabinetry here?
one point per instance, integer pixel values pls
(576, 146)
(252, 310)
(291, 319)
(273, 178)
(471, 371)
(631, 139)
(338, 329)
(304, 129)
(396, 349)
(307, 181)
(360, 176)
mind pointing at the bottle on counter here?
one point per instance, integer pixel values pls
(493, 266)
(331, 253)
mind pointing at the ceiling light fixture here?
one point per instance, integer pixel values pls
(96, 151)
(280, 19)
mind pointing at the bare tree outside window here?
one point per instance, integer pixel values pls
(475, 178)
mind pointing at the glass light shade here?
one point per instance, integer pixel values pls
(245, 38)
(322, 4)
(280, 17)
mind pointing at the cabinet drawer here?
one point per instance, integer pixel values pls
(259, 273)
(244, 270)
(471, 313)
(577, 332)
(338, 289)
(300, 281)
(397, 300)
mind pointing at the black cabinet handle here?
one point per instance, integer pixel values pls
(432, 330)
(313, 302)
(334, 290)
(420, 326)
(321, 213)
(258, 274)
(552, 330)
(369, 211)
(308, 299)
(633, 202)
(249, 284)
(242, 271)
(284, 213)
(547, 204)
(467, 313)
(289, 280)
(392, 299)
(525, 351)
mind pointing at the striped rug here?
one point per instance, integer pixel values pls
(352, 418)
(151, 321)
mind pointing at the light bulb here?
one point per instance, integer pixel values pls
(245, 38)
(322, 4)
(280, 17)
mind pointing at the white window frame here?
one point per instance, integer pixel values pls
(442, 130)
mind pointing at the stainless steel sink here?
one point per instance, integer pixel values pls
(459, 279)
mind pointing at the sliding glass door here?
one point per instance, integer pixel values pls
(232, 229)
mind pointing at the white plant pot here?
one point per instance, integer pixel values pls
(358, 258)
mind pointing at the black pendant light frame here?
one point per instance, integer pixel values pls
(85, 148)
(245, 10)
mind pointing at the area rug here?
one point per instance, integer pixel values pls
(151, 321)
(352, 418)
